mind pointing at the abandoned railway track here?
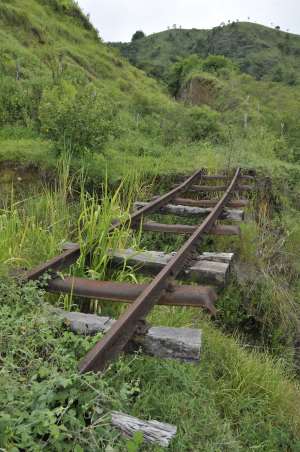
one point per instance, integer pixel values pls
(184, 264)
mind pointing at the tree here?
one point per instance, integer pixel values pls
(139, 34)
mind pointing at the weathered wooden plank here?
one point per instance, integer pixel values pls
(207, 267)
(182, 344)
(235, 203)
(153, 431)
(216, 257)
(217, 188)
(160, 258)
(213, 272)
(218, 229)
(243, 177)
(189, 211)
(225, 177)
(147, 257)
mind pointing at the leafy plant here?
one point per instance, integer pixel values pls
(81, 119)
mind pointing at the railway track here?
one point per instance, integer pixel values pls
(131, 331)
(186, 263)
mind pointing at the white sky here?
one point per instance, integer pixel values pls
(117, 20)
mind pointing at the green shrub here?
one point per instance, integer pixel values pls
(216, 63)
(17, 101)
(139, 34)
(202, 123)
(80, 118)
(180, 70)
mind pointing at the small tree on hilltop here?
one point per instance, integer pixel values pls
(138, 35)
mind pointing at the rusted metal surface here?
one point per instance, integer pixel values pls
(219, 229)
(194, 296)
(68, 257)
(59, 262)
(122, 331)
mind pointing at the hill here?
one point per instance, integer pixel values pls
(262, 52)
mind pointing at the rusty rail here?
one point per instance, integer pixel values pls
(125, 327)
(185, 295)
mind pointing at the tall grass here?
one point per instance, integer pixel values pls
(34, 229)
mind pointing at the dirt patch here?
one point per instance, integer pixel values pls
(198, 91)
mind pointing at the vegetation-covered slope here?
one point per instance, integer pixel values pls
(62, 88)
(260, 51)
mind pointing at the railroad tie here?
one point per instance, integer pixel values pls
(215, 188)
(153, 431)
(233, 204)
(190, 211)
(218, 229)
(183, 344)
(209, 268)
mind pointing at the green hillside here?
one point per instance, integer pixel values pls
(63, 89)
(260, 51)
(84, 134)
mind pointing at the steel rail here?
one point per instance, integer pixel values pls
(124, 328)
(68, 257)
(187, 295)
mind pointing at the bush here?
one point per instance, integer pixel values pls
(215, 63)
(180, 70)
(19, 101)
(138, 35)
(203, 122)
(81, 119)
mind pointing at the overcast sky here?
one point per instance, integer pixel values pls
(117, 20)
